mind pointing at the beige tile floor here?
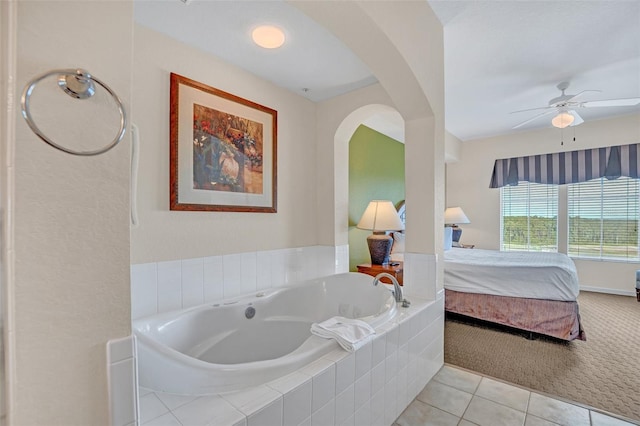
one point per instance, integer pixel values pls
(457, 397)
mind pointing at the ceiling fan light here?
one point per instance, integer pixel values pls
(562, 120)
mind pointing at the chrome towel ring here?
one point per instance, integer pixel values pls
(78, 84)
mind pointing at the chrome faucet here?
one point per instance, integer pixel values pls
(397, 290)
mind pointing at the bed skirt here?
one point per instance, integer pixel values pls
(549, 317)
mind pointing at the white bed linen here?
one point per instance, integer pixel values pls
(531, 275)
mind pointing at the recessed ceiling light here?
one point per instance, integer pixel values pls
(268, 36)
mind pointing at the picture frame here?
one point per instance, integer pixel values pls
(223, 150)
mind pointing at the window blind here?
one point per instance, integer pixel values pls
(529, 217)
(603, 218)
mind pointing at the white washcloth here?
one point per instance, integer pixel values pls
(351, 334)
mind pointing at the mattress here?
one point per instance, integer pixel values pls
(532, 275)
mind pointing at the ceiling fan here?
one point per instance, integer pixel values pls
(564, 106)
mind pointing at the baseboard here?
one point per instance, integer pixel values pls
(608, 291)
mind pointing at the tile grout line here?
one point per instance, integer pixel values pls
(526, 413)
(548, 395)
(528, 405)
(469, 403)
(156, 417)
(170, 410)
(526, 410)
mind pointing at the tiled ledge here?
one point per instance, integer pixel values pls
(121, 367)
(370, 386)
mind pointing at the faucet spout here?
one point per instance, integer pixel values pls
(397, 290)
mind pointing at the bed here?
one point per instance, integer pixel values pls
(532, 291)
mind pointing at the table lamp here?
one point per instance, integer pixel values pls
(453, 216)
(380, 216)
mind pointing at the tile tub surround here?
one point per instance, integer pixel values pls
(179, 284)
(121, 367)
(370, 386)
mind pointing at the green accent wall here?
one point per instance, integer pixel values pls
(376, 172)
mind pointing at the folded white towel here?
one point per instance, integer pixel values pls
(351, 334)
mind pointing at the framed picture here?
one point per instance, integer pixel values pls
(223, 150)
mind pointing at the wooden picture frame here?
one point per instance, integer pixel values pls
(223, 150)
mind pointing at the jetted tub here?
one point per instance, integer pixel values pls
(248, 341)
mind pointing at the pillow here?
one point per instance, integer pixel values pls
(398, 242)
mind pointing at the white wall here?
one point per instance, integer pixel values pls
(165, 235)
(8, 53)
(452, 148)
(468, 187)
(69, 293)
(418, 36)
(402, 44)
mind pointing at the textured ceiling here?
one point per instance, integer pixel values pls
(500, 56)
(311, 58)
(504, 56)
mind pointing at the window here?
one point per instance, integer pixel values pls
(603, 218)
(529, 217)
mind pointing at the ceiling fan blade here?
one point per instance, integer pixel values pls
(576, 118)
(611, 102)
(531, 109)
(580, 94)
(534, 118)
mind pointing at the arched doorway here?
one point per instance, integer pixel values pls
(381, 157)
(379, 117)
(408, 62)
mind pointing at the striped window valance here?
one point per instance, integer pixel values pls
(568, 167)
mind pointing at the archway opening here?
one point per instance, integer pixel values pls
(378, 132)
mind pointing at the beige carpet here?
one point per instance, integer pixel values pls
(602, 372)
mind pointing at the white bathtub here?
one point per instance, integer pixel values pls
(215, 348)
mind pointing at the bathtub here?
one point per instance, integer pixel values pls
(251, 340)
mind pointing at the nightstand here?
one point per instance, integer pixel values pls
(373, 270)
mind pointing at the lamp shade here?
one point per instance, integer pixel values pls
(381, 215)
(455, 215)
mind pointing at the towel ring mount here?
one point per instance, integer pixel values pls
(78, 84)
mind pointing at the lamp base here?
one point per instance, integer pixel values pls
(456, 234)
(379, 248)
